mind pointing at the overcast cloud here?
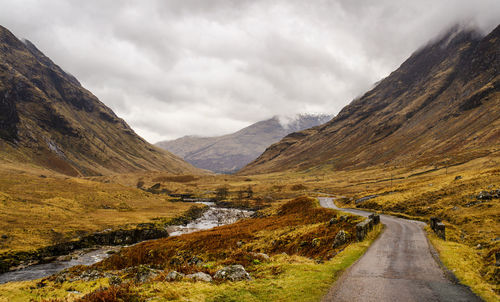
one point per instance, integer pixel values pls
(210, 67)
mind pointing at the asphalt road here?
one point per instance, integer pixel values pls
(397, 267)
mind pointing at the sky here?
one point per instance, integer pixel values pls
(212, 67)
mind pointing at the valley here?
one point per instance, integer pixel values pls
(395, 198)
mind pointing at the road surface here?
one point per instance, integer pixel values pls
(397, 267)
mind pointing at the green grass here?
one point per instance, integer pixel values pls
(467, 264)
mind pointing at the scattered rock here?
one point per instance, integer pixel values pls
(340, 239)
(174, 276)
(144, 273)
(195, 261)
(484, 195)
(239, 243)
(458, 177)
(232, 273)
(199, 276)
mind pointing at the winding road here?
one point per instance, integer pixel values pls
(398, 266)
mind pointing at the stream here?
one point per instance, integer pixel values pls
(213, 217)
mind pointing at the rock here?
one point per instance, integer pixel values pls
(195, 261)
(261, 256)
(439, 228)
(239, 243)
(340, 239)
(4, 236)
(375, 218)
(199, 276)
(174, 276)
(484, 195)
(144, 273)
(458, 177)
(232, 273)
(115, 280)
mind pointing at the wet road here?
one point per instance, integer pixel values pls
(397, 267)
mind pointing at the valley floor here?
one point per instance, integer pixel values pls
(290, 228)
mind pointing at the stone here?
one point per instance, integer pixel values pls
(375, 218)
(4, 236)
(174, 276)
(199, 276)
(458, 177)
(232, 273)
(433, 222)
(340, 239)
(195, 261)
(440, 230)
(145, 273)
(484, 195)
(261, 256)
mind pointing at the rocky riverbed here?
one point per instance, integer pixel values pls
(212, 217)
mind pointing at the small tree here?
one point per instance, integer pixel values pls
(221, 193)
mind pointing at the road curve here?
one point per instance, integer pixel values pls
(397, 267)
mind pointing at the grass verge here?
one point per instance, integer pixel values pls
(467, 265)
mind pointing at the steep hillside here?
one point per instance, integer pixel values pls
(48, 119)
(440, 105)
(229, 153)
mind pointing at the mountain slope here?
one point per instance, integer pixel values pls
(442, 103)
(48, 119)
(229, 153)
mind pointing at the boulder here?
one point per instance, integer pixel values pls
(199, 276)
(174, 276)
(232, 273)
(340, 239)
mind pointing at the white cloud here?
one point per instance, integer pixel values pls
(174, 68)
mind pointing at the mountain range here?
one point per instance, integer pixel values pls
(229, 153)
(48, 119)
(442, 105)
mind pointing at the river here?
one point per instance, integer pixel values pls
(213, 217)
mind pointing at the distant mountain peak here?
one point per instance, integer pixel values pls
(228, 153)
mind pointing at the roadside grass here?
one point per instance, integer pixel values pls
(468, 266)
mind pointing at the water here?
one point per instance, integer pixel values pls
(211, 218)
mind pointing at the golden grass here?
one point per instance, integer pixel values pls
(468, 265)
(40, 210)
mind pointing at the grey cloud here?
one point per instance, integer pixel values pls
(174, 68)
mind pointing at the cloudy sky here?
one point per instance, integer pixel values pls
(210, 67)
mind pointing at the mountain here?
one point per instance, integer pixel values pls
(441, 104)
(229, 153)
(48, 119)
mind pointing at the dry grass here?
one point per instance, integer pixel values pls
(41, 209)
(291, 230)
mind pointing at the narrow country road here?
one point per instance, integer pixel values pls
(397, 267)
